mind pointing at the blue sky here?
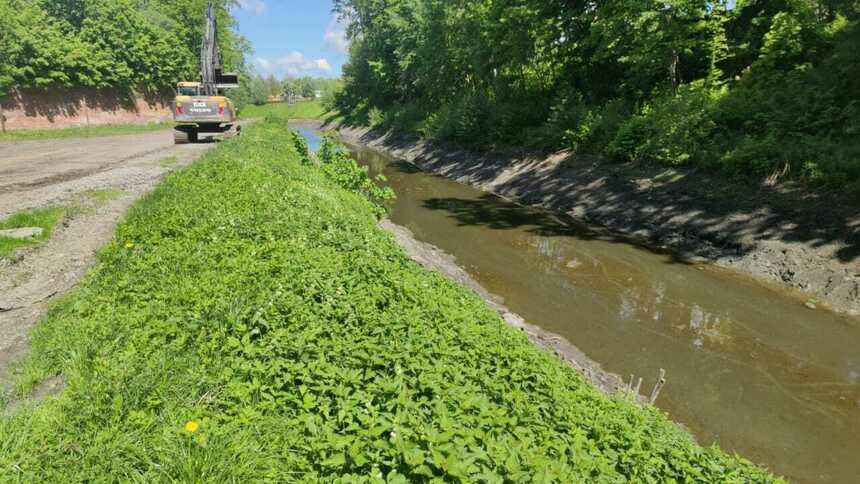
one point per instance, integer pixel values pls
(293, 37)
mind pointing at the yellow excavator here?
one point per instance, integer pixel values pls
(201, 107)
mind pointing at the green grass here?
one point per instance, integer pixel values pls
(254, 295)
(82, 132)
(103, 195)
(46, 218)
(168, 162)
(302, 110)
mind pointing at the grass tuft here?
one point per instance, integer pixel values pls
(168, 162)
(103, 195)
(45, 218)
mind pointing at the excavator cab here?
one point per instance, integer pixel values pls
(188, 89)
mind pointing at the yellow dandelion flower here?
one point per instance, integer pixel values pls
(192, 426)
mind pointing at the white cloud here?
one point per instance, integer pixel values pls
(294, 64)
(335, 36)
(254, 6)
(264, 63)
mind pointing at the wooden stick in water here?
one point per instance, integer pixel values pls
(659, 386)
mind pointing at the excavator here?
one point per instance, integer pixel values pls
(201, 107)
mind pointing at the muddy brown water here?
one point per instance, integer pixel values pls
(749, 366)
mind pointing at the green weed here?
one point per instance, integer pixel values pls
(103, 195)
(46, 219)
(301, 110)
(168, 162)
(82, 132)
(251, 323)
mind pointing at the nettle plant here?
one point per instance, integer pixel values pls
(339, 165)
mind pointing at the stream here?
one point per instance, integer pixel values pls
(749, 367)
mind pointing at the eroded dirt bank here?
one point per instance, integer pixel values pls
(780, 234)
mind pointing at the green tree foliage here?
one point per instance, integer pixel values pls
(254, 89)
(750, 86)
(129, 44)
(308, 86)
(273, 86)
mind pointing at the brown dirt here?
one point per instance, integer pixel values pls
(68, 173)
(62, 108)
(783, 233)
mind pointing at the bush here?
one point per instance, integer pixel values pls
(673, 129)
(593, 129)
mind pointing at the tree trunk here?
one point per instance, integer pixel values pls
(673, 70)
(2, 118)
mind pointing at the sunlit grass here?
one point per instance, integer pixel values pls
(82, 132)
(103, 195)
(45, 218)
(300, 110)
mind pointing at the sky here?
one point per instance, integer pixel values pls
(293, 37)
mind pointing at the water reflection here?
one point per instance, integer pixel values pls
(312, 136)
(750, 368)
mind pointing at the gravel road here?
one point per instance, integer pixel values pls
(99, 178)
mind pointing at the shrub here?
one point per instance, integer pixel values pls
(673, 129)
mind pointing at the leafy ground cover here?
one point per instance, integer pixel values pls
(301, 110)
(250, 322)
(82, 132)
(46, 219)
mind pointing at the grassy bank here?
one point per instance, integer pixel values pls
(82, 132)
(302, 110)
(250, 322)
(45, 219)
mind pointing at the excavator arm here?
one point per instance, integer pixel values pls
(206, 109)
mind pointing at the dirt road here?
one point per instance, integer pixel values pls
(98, 179)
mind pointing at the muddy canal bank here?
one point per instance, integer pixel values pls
(784, 235)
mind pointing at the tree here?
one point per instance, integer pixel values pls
(679, 81)
(125, 44)
(273, 86)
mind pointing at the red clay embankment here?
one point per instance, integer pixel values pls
(63, 108)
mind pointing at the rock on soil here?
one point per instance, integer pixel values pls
(23, 233)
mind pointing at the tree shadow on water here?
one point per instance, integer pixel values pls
(696, 212)
(495, 213)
